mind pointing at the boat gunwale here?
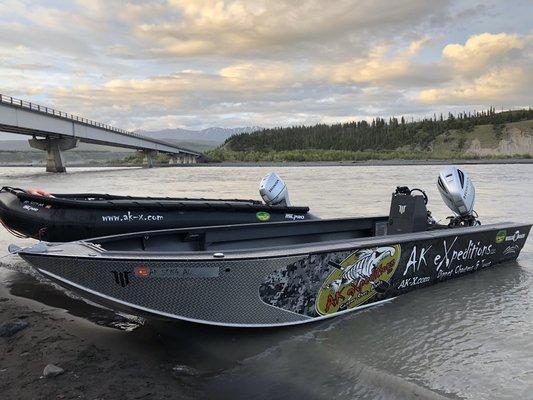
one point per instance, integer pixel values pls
(280, 251)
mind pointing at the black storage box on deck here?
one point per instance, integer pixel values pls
(407, 214)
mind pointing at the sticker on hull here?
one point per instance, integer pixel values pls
(357, 279)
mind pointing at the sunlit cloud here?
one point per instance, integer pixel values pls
(481, 50)
(488, 69)
(380, 67)
(508, 85)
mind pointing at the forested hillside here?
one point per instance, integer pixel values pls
(395, 137)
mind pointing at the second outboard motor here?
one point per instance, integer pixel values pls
(457, 191)
(274, 191)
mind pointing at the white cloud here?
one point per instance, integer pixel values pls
(489, 69)
(507, 85)
(240, 27)
(381, 67)
(481, 50)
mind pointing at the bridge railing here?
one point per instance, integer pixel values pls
(71, 117)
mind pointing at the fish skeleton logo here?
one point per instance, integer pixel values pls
(357, 279)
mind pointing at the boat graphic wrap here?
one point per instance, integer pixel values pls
(327, 283)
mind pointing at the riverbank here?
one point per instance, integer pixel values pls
(375, 163)
(482, 161)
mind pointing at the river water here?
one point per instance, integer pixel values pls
(468, 338)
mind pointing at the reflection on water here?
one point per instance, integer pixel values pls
(466, 338)
(448, 337)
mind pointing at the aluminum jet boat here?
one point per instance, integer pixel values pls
(264, 275)
(67, 217)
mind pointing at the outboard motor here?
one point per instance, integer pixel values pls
(274, 191)
(408, 212)
(457, 191)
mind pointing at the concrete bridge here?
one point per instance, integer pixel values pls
(55, 131)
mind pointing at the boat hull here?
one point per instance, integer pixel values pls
(300, 285)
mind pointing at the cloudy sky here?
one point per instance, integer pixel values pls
(196, 64)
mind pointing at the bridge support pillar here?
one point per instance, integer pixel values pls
(189, 159)
(53, 148)
(182, 158)
(148, 159)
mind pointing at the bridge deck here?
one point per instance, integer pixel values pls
(27, 118)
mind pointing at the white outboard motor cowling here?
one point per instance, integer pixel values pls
(273, 190)
(457, 191)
